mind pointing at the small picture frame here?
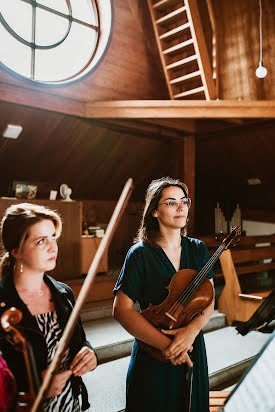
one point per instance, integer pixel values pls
(23, 190)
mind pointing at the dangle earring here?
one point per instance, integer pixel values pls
(21, 267)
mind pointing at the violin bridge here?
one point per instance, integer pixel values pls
(170, 316)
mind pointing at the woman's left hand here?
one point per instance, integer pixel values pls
(84, 361)
(181, 343)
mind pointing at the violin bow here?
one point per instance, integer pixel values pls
(68, 331)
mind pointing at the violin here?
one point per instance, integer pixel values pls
(189, 293)
(9, 319)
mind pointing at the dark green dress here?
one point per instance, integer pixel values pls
(154, 386)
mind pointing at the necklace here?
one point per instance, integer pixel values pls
(39, 292)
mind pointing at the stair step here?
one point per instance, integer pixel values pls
(174, 31)
(160, 5)
(178, 46)
(112, 341)
(189, 92)
(97, 310)
(181, 62)
(217, 321)
(106, 386)
(109, 339)
(186, 77)
(228, 355)
(171, 15)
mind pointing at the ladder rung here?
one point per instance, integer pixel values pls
(178, 46)
(189, 92)
(181, 62)
(160, 3)
(170, 15)
(174, 31)
(186, 77)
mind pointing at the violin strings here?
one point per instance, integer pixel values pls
(189, 291)
(201, 275)
(192, 287)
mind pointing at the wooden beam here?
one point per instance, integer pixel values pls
(183, 167)
(192, 109)
(148, 130)
(139, 109)
(41, 100)
(187, 126)
(189, 167)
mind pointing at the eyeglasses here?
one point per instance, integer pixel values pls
(175, 205)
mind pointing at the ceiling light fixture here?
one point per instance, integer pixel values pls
(261, 71)
(12, 131)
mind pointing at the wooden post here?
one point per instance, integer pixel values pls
(183, 156)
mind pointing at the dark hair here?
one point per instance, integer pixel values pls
(15, 226)
(149, 228)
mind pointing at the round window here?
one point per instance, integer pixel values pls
(53, 42)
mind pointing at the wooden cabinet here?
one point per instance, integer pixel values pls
(89, 247)
(69, 256)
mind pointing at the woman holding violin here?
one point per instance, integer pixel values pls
(29, 235)
(180, 382)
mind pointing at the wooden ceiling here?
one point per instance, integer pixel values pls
(94, 160)
(96, 156)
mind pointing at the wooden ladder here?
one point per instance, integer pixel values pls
(183, 49)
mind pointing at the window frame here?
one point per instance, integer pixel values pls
(87, 68)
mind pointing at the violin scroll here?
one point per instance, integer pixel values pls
(236, 231)
(11, 317)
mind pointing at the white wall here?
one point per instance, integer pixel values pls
(253, 228)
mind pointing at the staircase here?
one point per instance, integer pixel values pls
(228, 354)
(183, 49)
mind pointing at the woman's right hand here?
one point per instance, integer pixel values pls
(182, 358)
(58, 383)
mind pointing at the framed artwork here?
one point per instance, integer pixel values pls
(24, 190)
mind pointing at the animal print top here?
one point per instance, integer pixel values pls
(65, 402)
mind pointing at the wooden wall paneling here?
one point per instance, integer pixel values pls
(22, 158)
(238, 34)
(225, 162)
(93, 160)
(69, 256)
(129, 69)
(149, 128)
(259, 215)
(42, 99)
